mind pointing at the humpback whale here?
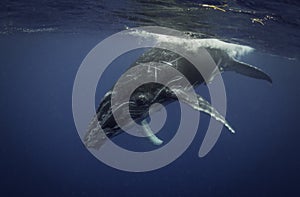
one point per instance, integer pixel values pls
(224, 54)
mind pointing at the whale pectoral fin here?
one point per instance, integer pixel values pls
(204, 106)
(247, 70)
(149, 133)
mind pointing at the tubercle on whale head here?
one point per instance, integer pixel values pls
(95, 136)
(104, 126)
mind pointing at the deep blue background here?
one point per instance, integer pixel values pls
(42, 154)
(42, 44)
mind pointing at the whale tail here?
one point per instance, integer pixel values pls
(247, 70)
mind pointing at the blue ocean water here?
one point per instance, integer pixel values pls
(42, 45)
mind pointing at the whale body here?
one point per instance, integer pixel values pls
(104, 125)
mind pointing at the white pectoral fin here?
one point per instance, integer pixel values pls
(149, 133)
(204, 106)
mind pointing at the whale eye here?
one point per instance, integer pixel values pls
(141, 99)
